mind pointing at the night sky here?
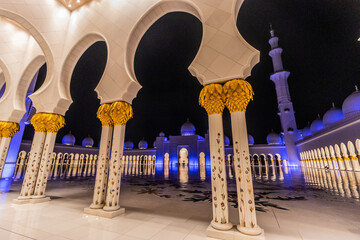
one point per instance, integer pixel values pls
(321, 51)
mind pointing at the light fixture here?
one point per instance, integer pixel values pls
(73, 4)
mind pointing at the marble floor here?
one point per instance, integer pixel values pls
(174, 204)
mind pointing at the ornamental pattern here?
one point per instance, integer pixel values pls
(103, 114)
(238, 94)
(212, 99)
(121, 112)
(47, 122)
(8, 129)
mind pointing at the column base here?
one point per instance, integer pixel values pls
(39, 200)
(250, 231)
(221, 227)
(102, 213)
(96, 206)
(232, 234)
(21, 201)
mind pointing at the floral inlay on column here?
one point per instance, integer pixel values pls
(238, 94)
(212, 99)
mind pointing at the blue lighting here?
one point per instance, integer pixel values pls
(2, 90)
(5, 184)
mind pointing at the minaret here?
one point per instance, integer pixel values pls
(286, 110)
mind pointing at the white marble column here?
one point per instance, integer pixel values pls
(238, 93)
(211, 98)
(120, 113)
(53, 124)
(76, 164)
(22, 156)
(218, 170)
(245, 190)
(114, 182)
(353, 156)
(7, 131)
(4, 147)
(104, 153)
(45, 165)
(39, 122)
(81, 165)
(32, 169)
(59, 156)
(95, 162)
(71, 165)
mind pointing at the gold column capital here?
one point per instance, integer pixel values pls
(56, 122)
(121, 112)
(8, 129)
(103, 114)
(47, 122)
(238, 94)
(212, 99)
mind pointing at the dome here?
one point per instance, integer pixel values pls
(161, 134)
(351, 104)
(306, 131)
(273, 139)
(251, 140)
(143, 144)
(188, 129)
(226, 141)
(87, 142)
(129, 145)
(316, 125)
(68, 139)
(333, 115)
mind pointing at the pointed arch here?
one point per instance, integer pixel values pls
(25, 80)
(73, 57)
(146, 21)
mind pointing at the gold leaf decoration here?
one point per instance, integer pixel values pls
(47, 122)
(103, 114)
(8, 129)
(212, 99)
(121, 112)
(238, 94)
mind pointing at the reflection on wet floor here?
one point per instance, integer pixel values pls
(337, 180)
(291, 202)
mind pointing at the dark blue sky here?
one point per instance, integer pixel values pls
(321, 51)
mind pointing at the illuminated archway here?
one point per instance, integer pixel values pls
(184, 156)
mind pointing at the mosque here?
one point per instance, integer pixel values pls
(337, 125)
(58, 32)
